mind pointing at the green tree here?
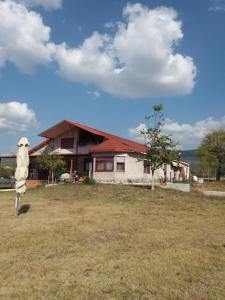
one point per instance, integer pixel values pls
(212, 152)
(160, 147)
(7, 171)
(52, 163)
(207, 164)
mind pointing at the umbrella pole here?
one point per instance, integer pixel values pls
(17, 203)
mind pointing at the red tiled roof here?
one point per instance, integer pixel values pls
(66, 125)
(110, 146)
(118, 145)
(112, 142)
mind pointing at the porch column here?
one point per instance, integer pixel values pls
(71, 167)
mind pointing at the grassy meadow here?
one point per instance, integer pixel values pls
(112, 242)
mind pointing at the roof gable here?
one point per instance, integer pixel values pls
(113, 143)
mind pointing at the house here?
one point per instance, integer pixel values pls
(104, 157)
(180, 171)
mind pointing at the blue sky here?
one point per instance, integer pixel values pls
(105, 63)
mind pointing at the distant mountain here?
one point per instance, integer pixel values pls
(191, 157)
(8, 162)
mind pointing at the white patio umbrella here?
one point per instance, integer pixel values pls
(21, 174)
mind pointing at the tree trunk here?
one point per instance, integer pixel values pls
(218, 173)
(153, 186)
(165, 173)
(49, 174)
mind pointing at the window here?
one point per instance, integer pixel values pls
(104, 164)
(120, 167)
(147, 167)
(67, 143)
(120, 164)
(87, 138)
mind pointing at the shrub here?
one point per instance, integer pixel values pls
(89, 180)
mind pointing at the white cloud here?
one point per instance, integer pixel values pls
(139, 60)
(24, 39)
(135, 133)
(95, 94)
(109, 25)
(47, 4)
(85, 63)
(217, 5)
(188, 136)
(16, 116)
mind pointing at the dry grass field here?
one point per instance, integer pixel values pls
(214, 186)
(112, 242)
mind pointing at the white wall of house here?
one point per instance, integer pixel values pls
(134, 170)
(180, 172)
(56, 143)
(187, 171)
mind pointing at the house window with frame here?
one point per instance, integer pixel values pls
(147, 167)
(120, 164)
(104, 164)
(67, 143)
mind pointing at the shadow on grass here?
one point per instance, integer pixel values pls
(24, 209)
(145, 187)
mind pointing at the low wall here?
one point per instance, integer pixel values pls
(183, 187)
(214, 193)
(34, 183)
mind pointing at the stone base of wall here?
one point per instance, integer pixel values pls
(35, 183)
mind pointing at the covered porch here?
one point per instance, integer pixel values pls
(80, 165)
